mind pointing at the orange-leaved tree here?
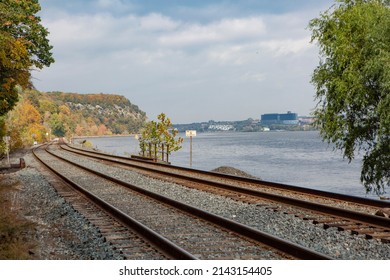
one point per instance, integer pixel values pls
(24, 125)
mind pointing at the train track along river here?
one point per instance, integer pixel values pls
(243, 211)
(167, 227)
(346, 213)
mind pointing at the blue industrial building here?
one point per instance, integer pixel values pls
(288, 118)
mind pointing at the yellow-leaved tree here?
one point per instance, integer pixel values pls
(23, 47)
(159, 138)
(24, 125)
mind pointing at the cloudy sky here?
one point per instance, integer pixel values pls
(194, 60)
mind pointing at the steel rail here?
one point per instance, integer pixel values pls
(167, 247)
(239, 179)
(256, 235)
(316, 207)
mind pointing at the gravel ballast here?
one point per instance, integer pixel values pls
(64, 234)
(59, 232)
(336, 244)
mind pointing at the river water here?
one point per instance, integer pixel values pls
(296, 158)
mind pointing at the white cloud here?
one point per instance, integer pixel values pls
(248, 62)
(231, 54)
(215, 32)
(284, 47)
(157, 22)
(72, 30)
(253, 76)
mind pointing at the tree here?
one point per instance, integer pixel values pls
(57, 125)
(155, 134)
(23, 46)
(353, 84)
(24, 125)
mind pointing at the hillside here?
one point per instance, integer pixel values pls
(115, 112)
(86, 114)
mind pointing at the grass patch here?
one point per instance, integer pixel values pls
(14, 231)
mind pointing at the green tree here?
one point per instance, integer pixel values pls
(155, 134)
(57, 126)
(353, 84)
(23, 46)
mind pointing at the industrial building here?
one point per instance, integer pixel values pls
(288, 118)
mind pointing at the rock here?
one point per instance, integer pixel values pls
(384, 212)
(233, 171)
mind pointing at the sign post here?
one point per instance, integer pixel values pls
(190, 133)
(6, 139)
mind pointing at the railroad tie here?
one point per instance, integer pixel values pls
(363, 230)
(378, 235)
(326, 221)
(339, 225)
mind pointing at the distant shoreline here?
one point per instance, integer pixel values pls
(104, 136)
(205, 132)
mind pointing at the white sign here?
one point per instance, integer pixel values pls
(190, 133)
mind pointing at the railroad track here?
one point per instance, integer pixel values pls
(193, 233)
(132, 240)
(346, 213)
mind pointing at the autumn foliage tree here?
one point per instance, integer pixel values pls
(24, 125)
(23, 46)
(157, 134)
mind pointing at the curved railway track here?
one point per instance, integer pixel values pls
(176, 230)
(350, 213)
(134, 240)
